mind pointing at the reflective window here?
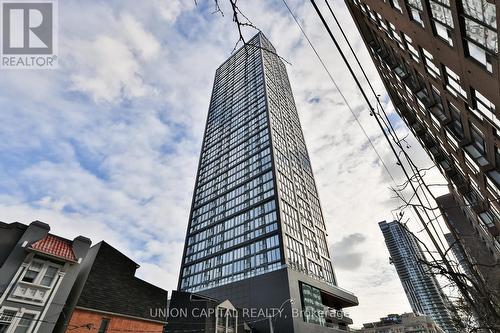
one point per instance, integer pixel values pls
(456, 122)
(477, 149)
(481, 30)
(413, 51)
(395, 4)
(453, 83)
(415, 9)
(442, 19)
(430, 67)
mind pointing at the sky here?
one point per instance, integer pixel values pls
(107, 145)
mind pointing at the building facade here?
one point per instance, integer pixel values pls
(37, 272)
(468, 247)
(421, 287)
(256, 234)
(107, 297)
(439, 62)
(405, 323)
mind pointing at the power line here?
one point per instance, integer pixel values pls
(339, 90)
(386, 121)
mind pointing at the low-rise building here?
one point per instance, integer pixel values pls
(107, 297)
(37, 272)
(405, 323)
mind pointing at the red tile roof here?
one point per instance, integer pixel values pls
(55, 246)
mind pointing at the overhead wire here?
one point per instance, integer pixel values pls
(386, 121)
(337, 87)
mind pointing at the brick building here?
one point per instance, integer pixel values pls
(439, 62)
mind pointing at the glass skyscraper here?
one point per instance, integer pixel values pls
(256, 233)
(421, 287)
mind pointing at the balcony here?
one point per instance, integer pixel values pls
(418, 128)
(29, 293)
(424, 99)
(400, 72)
(411, 84)
(475, 156)
(437, 154)
(428, 141)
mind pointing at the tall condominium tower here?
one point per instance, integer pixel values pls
(256, 234)
(439, 62)
(421, 287)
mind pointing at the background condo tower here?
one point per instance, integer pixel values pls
(421, 287)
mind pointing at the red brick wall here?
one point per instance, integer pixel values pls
(80, 318)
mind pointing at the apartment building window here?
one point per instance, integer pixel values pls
(413, 51)
(481, 30)
(395, 4)
(477, 149)
(396, 36)
(430, 67)
(415, 9)
(371, 13)
(482, 104)
(442, 19)
(382, 24)
(453, 83)
(437, 110)
(456, 122)
(487, 218)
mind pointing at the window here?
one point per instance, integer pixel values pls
(481, 103)
(456, 122)
(487, 218)
(32, 272)
(49, 276)
(24, 323)
(480, 30)
(430, 67)
(442, 19)
(415, 9)
(104, 325)
(396, 35)
(413, 51)
(6, 318)
(395, 4)
(477, 149)
(453, 83)
(481, 23)
(479, 54)
(41, 272)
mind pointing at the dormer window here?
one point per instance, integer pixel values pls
(42, 273)
(35, 284)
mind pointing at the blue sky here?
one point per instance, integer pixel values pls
(107, 145)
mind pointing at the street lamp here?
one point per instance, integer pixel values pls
(271, 327)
